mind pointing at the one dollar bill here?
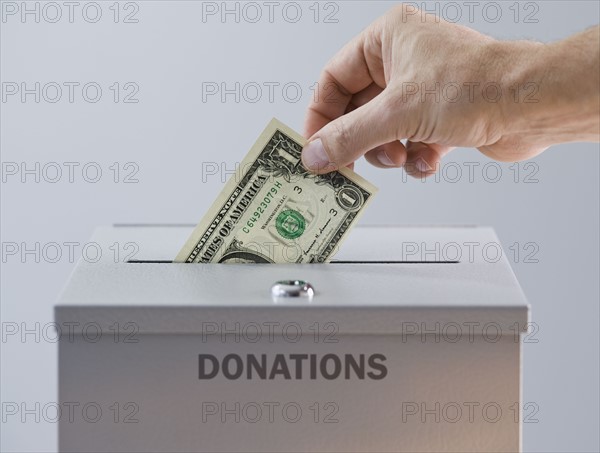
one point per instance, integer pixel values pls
(272, 210)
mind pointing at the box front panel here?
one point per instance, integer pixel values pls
(267, 387)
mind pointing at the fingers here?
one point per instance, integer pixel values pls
(342, 117)
(364, 96)
(423, 159)
(356, 67)
(348, 137)
(388, 155)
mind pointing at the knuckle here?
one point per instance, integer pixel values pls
(506, 150)
(401, 113)
(339, 140)
(392, 103)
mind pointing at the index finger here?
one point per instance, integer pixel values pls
(356, 66)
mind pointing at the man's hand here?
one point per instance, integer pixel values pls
(441, 85)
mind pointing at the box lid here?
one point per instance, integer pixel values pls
(384, 280)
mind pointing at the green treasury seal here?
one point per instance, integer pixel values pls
(290, 224)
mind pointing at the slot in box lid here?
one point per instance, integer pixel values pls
(384, 280)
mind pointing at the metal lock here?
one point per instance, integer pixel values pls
(286, 289)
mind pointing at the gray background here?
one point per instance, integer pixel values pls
(171, 132)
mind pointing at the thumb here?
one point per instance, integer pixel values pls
(348, 137)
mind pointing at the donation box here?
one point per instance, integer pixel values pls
(410, 340)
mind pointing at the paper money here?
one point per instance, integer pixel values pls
(272, 210)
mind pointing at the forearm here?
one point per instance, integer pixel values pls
(553, 90)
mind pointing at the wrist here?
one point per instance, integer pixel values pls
(548, 94)
(521, 68)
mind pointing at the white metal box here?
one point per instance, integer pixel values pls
(410, 343)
